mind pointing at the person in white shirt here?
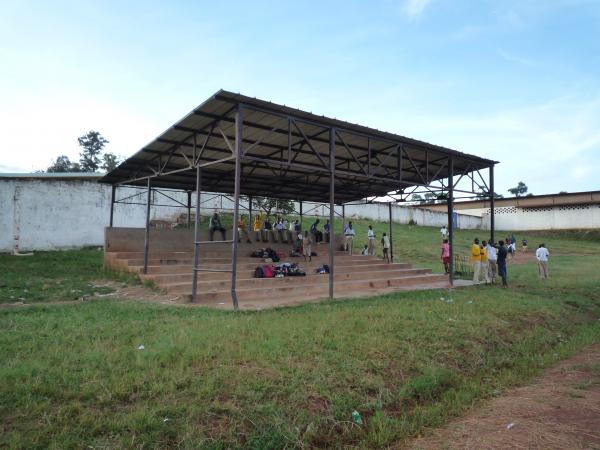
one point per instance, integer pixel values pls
(444, 232)
(349, 234)
(492, 254)
(542, 255)
(279, 227)
(371, 237)
(385, 244)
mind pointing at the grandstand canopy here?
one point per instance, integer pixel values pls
(285, 153)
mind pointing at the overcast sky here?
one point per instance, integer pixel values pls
(515, 81)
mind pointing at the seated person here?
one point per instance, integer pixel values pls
(279, 230)
(242, 231)
(215, 225)
(365, 251)
(267, 229)
(257, 227)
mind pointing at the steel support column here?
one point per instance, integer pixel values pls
(236, 203)
(300, 215)
(391, 235)
(196, 236)
(331, 210)
(112, 205)
(451, 218)
(250, 225)
(492, 206)
(147, 233)
(189, 209)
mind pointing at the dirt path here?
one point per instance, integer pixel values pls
(560, 410)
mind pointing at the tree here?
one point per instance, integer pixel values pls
(110, 161)
(268, 204)
(92, 144)
(519, 190)
(416, 198)
(430, 197)
(63, 164)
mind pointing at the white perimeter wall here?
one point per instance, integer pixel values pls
(46, 214)
(404, 214)
(546, 218)
(52, 214)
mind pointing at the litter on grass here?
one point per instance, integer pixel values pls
(510, 425)
(356, 417)
(141, 347)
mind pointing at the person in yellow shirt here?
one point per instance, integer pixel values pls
(484, 261)
(476, 260)
(257, 227)
(242, 229)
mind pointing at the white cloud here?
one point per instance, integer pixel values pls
(414, 8)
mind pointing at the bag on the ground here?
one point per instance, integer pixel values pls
(326, 267)
(259, 273)
(268, 271)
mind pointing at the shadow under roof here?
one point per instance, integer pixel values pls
(285, 154)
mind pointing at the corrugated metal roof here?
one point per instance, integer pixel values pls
(268, 130)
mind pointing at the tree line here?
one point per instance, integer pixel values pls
(92, 156)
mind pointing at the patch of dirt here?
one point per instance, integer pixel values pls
(118, 291)
(560, 410)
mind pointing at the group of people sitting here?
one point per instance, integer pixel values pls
(280, 230)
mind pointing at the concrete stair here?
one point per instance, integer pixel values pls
(353, 274)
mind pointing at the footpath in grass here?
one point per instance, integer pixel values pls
(73, 376)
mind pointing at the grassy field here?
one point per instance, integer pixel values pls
(72, 375)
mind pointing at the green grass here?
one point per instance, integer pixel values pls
(54, 276)
(72, 377)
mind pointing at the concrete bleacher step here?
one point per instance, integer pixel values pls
(182, 282)
(316, 290)
(348, 266)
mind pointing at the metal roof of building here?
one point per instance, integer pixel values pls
(368, 162)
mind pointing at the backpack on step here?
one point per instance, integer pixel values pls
(259, 272)
(268, 271)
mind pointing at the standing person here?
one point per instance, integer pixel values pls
(476, 259)
(257, 227)
(484, 262)
(314, 229)
(307, 246)
(242, 231)
(542, 255)
(444, 232)
(502, 254)
(446, 256)
(371, 237)
(385, 244)
(524, 246)
(349, 234)
(215, 225)
(326, 231)
(492, 254)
